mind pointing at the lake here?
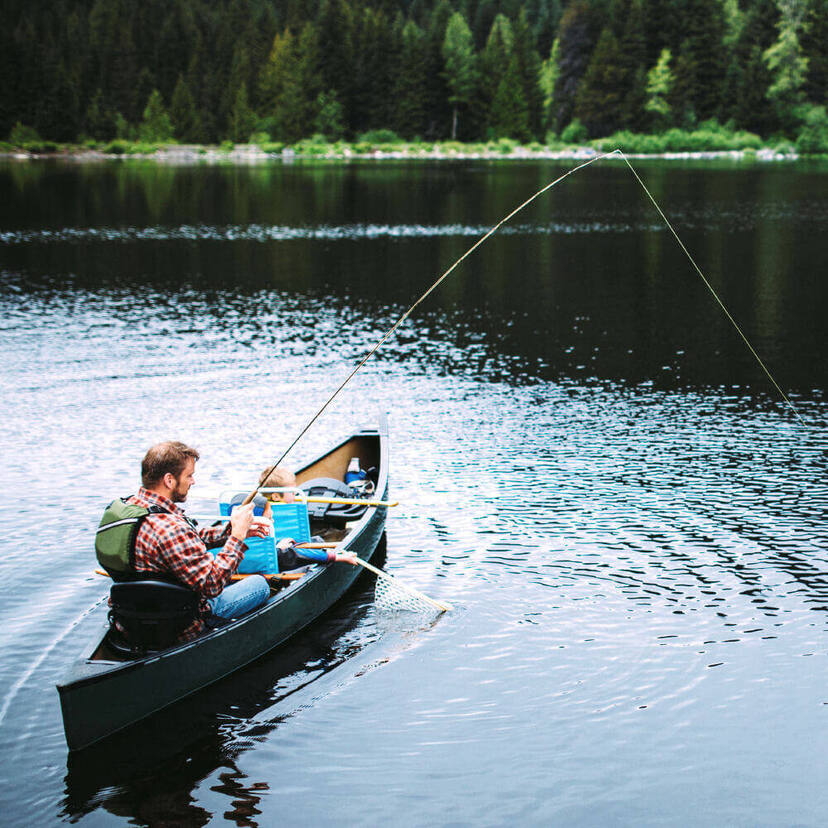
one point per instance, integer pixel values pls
(591, 466)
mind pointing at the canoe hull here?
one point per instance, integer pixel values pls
(101, 697)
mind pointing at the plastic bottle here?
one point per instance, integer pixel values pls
(354, 472)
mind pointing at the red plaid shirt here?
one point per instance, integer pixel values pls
(169, 543)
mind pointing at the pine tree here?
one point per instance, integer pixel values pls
(329, 120)
(814, 40)
(509, 113)
(547, 80)
(183, 112)
(409, 102)
(242, 118)
(156, 126)
(458, 54)
(98, 122)
(528, 64)
(577, 35)
(598, 104)
(786, 62)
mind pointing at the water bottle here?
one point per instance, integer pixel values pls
(354, 472)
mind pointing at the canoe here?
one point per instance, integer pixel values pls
(105, 692)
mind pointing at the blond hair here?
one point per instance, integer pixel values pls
(278, 478)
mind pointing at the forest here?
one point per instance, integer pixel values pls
(203, 72)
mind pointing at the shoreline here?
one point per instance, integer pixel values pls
(254, 154)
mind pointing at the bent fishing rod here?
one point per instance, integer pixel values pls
(616, 152)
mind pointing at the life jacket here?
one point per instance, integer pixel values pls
(115, 538)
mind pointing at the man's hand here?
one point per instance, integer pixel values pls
(240, 521)
(260, 527)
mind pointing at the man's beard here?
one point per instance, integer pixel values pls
(178, 496)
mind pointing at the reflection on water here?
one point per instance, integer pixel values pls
(589, 466)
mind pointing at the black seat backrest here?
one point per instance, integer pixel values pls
(336, 513)
(152, 614)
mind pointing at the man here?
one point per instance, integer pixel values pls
(169, 544)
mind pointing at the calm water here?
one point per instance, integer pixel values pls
(589, 464)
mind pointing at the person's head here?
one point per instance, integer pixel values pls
(167, 469)
(279, 478)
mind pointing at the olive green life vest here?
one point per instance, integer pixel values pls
(115, 538)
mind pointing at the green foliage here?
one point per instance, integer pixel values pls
(786, 62)
(103, 70)
(813, 137)
(242, 117)
(21, 134)
(459, 61)
(379, 136)
(659, 85)
(156, 126)
(272, 146)
(226, 146)
(330, 119)
(575, 133)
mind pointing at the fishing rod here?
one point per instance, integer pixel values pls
(616, 152)
(424, 296)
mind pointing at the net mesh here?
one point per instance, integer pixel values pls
(390, 597)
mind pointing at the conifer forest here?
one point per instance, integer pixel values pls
(194, 71)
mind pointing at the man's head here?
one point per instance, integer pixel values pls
(280, 477)
(167, 468)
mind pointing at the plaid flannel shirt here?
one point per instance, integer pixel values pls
(168, 543)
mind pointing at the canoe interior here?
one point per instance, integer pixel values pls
(335, 463)
(332, 465)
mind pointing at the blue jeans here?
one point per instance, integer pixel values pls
(240, 597)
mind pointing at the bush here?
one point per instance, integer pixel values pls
(226, 146)
(813, 137)
(380, 136)
(21, 134)
(259, 138)
(575, 133)
(272, 146)
(506, 146)
(116, 147)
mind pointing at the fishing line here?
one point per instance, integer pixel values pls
(479, 242)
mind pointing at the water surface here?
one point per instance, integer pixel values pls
(590, 465)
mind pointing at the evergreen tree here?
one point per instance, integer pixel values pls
(494, 62)
(659, 86)
(156, 126)
(409, 101)
(335, 30)
(548, 79)
(509, 113)
(700, 67)
(98, 121)
(329, 120)
(242, 118)
(458, 54)
(787, 64)
(577, 36)
(289, 84)
(183, 112)
(814, 40)
(598, 104)
(528, 66)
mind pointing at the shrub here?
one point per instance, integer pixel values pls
(380, 136)
(226, 146)
(506, 146)
(575, 133)
(259, 138)
(272, 146)
(116, 147)
(21, 134)
(813, 137)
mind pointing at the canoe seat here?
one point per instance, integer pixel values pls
(149, 615)
(336, 514)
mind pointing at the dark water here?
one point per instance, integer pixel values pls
(591, 466)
